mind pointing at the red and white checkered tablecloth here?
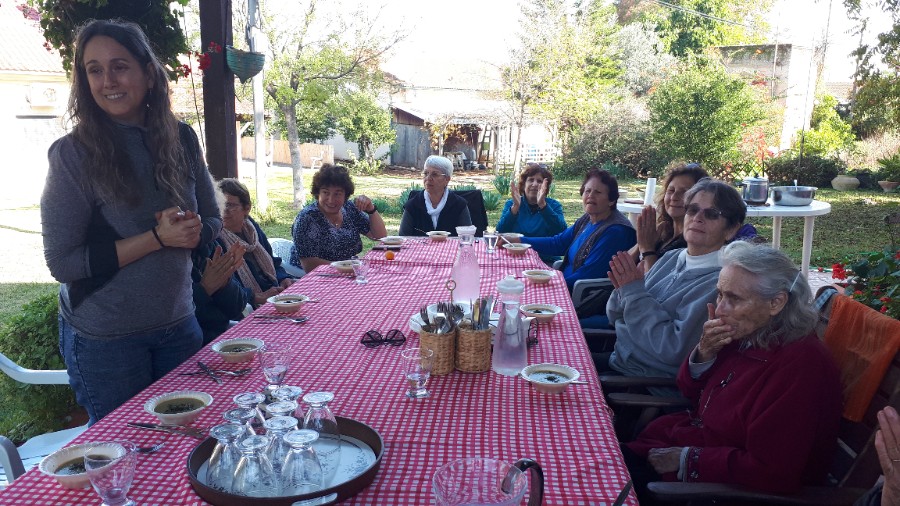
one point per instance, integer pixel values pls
(467, 415)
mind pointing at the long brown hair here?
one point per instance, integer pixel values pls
(692, 170)
(108, 166)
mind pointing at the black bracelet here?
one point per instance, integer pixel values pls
(648, 254)
(156, 235)
(374, 209)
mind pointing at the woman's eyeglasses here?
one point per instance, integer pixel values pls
(374, 339)
(432, 175)
(710, 213)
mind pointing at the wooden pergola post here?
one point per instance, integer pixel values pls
(218, 91)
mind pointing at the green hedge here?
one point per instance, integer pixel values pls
(31, 339)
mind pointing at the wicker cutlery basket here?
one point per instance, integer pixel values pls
(473, 349)
(444, 347)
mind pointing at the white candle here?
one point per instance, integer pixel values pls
(648, 193)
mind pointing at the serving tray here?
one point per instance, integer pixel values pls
(361, 452)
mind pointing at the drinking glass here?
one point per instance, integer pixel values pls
(282, 408)
(241, 416)
(274, 363)
(111, 476)
(225, 456)
(254, 475)
(417, 364)
(320, 419)
(490, 240)
(302, 471)
(360, 269)
(276, 428)
(488, 481)
(290, 393)
(251, 401)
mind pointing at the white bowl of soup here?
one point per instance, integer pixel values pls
(550, 379)
(543, 312)
(287, 303)
(178, 408)
(345, 266)
(538, 276)
(516, 248)
(237, 350)
(67, 464)
(438, 235)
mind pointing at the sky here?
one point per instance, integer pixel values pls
(449, 35)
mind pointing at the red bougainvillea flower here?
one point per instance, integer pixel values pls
(204, 60)
(838, 272)
(857, 293)
(821, 269)
(884, 309)
(885, 299)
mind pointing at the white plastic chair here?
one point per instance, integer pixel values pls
(16, 461)
(282, 249)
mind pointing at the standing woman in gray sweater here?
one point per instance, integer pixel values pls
(127, 197)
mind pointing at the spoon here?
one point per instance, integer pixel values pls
(151, 449)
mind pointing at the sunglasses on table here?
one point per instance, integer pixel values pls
(710, 213)
(374, 339)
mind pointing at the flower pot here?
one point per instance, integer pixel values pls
(244, 64)
(888, 186)
(844, 182)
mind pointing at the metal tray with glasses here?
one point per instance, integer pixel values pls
(361, 451)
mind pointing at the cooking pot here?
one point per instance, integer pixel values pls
(755, 191)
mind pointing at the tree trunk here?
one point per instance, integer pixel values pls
(290, 117)
(519, 124)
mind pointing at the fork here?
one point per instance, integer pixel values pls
(279, 320)
(151, 449)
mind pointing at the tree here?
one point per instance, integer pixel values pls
(700, 113)
(363, 121)
(642, 58)
(828, 135)
(60, 20)
(314, 56)
(689, 27)
(876, 107)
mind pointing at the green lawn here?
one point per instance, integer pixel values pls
(854, 225)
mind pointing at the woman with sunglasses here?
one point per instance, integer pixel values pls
(659, 316)
(436, 208)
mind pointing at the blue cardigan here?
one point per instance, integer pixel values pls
(544, 223)
(616, 238)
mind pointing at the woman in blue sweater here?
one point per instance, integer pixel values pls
(530, 212)
(591, 242)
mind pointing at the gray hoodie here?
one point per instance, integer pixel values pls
(658, 322)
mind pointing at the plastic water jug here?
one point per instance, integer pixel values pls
(466, 272)
(510, 354)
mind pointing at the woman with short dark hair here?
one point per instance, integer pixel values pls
(329, 229)
(530, 211)
(594, 238)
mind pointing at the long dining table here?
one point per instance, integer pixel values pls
(467, 415)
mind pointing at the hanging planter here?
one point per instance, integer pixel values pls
(244, 64)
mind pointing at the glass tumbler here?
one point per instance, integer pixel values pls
(254, 475)
(241, 416)
(417, 364)
(111, 473)
(360, 270)
(290, 393)
(274, 362)
(320, 419)
(302, 471)
(225, 456)
(490, 240)
(276, 428)
(282, 408)
(251, 400)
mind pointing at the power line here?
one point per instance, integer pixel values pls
(698, 13)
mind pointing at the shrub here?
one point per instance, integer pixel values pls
(31, 339)
(491, 200)
(873, 280)
(700, 114)
(811, 171)
(463, 187)
(829, 135)
(385, 206)
(620, 134)
(501, 183)
(404, 195)
(889, 168)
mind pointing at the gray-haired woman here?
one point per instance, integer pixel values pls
(436, 208)
(765, 391)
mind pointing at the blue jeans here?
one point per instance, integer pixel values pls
(105, 373)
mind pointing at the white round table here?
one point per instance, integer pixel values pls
(808, 213)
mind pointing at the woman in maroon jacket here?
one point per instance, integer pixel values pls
(766, 394)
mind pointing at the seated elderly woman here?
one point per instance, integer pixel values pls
(437, 208)
(594, 238)
(261, 273)
(530, 212)
(765, 391)
(219, 297)
(658, 318)
(329, 229)
(661, 229)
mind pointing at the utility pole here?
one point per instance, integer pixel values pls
(256, 40)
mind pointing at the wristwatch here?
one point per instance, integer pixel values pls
(645, 254)
(374, 209)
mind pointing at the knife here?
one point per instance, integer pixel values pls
(209, 372)
(333, 275)
(183, 431)
(620, 500)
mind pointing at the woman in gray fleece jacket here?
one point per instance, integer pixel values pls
(127, 197)
(659, 319)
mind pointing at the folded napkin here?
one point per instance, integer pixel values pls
(863, 343)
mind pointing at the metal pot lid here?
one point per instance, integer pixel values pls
(756, 180)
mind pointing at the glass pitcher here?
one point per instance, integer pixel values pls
(487, 481)
(510, 353)
(466, 272)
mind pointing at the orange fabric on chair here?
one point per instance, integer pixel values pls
(863, 343)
